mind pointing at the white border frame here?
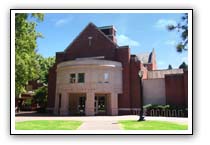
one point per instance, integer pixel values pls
(190, 69)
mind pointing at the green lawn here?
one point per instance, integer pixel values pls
(151, 125)
(47, 125)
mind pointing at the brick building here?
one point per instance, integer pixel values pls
(95, 76)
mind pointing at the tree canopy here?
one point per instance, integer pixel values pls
(184, 66)
(170, 67)
(26, 65)
(181, 27)
(44, 65)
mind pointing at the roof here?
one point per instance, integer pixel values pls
(97, 28)
(144, 57)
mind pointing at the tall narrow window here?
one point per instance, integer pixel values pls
(72, 78)
(81, 78)
(106, 77)
(90, 39)
(59, 101)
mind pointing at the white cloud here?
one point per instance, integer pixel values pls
(63, 21)
(170, 42)
(162, 23)
(125, 40)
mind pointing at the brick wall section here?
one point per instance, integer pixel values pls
(149, 67)
(51, 87)
(135, 82)
(101, 45)
(145, 71)
(59, 57)
(123, 56)
(175, 90)
(186, 87)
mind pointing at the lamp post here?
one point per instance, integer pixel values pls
(141, 117)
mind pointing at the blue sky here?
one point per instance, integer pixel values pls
(141, 31)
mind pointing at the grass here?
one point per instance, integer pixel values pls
(151, 125)
(47, 125)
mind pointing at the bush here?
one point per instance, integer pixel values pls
(155, 106)
(149, 107)
(40, 96)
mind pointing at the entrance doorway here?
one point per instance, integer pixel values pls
(77, 103)
(100, 105)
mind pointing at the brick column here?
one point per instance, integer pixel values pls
(89, 104)
(114, 104)
(64, 104)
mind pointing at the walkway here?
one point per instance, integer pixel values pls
(101, 122)
(100, 125)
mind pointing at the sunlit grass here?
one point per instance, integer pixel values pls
(151, 125)
(47, 125)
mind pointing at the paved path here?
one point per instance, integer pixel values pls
(100, 125)
(101, 122)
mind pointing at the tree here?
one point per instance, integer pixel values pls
(40, 96)
(183, 66)
(181, 27)
(26, 66)
(44, 65)
(170, 67)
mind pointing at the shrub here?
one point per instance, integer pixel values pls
(40, 96)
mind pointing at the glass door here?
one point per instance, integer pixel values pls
(100, 105)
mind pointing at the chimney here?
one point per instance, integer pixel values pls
(110, 32)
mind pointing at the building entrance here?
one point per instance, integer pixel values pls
(100, 105)
(77, 103)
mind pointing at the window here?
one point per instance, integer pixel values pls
(72, 78)
(81, 78)
(106, 77)
(103, 77)
(106, 31)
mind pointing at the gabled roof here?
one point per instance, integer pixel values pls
(93, 25)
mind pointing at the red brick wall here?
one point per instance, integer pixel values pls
(145, 75)
(100, 45)
(59, 57)
(175, 90)
(149, 67)
(123, 56)
(186, 87)
(135, 82)
(51, 87)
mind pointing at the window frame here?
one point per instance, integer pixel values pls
(73, 80)
(78, 78)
